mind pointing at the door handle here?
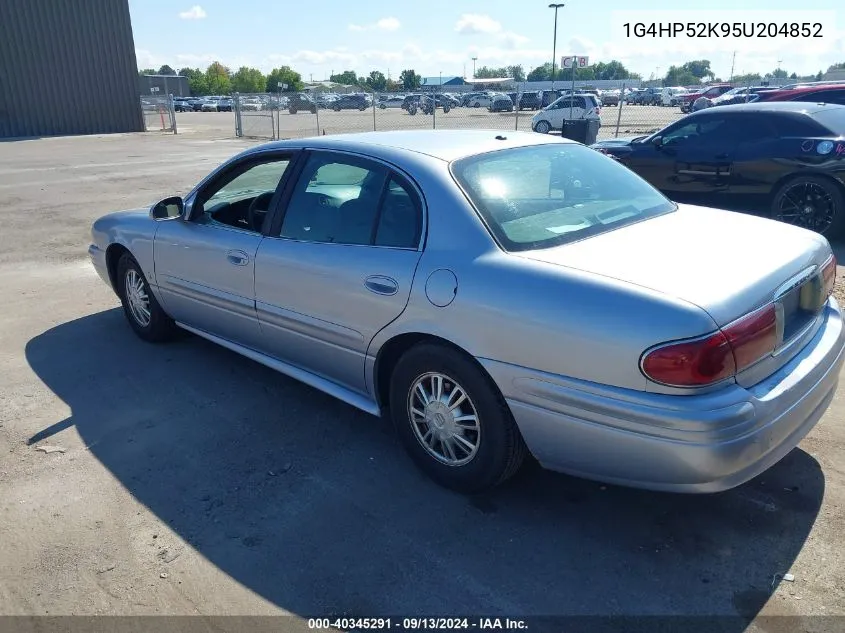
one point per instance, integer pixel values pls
(381, 285)
(237, 258)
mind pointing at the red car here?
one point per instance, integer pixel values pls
(825, 93)
(711, 93)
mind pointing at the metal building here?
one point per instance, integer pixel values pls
(163, 85)
(67, 67)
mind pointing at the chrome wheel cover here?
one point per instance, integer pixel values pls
(136, 297)
(444, 419)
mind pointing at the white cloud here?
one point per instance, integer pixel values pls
(385, 24)
(513, 40)
(196, 12)
(477, 23)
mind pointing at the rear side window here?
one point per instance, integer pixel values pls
(802, 126)
(831, 120)
(825, 96)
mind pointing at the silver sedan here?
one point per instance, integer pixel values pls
(498, 294)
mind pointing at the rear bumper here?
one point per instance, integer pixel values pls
(696, 444)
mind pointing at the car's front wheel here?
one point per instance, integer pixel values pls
(452, 419)
(142, 310)
(543, 127)
(812, 203)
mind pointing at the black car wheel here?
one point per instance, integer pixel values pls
(453, 420)
(812, 203)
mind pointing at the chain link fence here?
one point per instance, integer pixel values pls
(159, 113)
(620, 111)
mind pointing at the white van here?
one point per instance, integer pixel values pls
(671, 96)
(574, 107)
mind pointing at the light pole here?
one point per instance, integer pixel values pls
(554, 41)
(473, 66)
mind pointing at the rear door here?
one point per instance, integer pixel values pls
(339, 266)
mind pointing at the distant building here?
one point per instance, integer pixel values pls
(163, 85)
(834, 75)
(434, 82)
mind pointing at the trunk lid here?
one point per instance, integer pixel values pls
(726, 263)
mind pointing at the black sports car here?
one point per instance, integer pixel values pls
(784, 160)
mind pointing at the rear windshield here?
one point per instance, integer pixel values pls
(551, 194)
(833, 118)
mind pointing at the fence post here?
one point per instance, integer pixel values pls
(317, 114)
(619, 114)
(172, 105)
(374, 110)
(239, 131)
(278, 117)
(516, 108)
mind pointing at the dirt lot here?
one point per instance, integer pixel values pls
(632, 120)
(193, 481)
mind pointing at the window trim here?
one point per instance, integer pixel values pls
(275, 227)
(242, 166)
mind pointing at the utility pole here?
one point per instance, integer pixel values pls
(554, 42)
(733, 64)
(473, 66)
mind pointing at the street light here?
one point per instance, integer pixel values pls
(554, 41)
(473, 66)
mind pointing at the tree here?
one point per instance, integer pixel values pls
(147, 71)
(747, 79)
(541, 73)
(166, 70)
(393, 86)
(680, 76)
(285, 75)
(793, 76)
(376, 81)
(196, 81)
(779, 74)
(837, 66)
(217, 78)
(491, 73)
(347, 78)
(819, 76)
(516, 72)
(699, 68)
(248, 80)
(410, 79)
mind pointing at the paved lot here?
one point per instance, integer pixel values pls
(197, 482)
(632, 120)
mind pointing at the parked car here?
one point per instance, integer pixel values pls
(610, 98)
(710, 93)
(745, 94)
(548, 97)
(251, 104)
(349, 102)
(195, 103)
(411, 101)
(480, 100)
(391, 102)
(778, 157)
(500, 103)
(827, 93)
(578, 106)
(301, 101)
(651, 96)
(225, 104)
(181, 104)
(625, 338)
(530, 101)
(672, 96)
(210, 104)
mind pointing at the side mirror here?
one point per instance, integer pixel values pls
(657, 141)
(168, 209)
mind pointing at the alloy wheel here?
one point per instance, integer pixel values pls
(808, 205)
(137, 298)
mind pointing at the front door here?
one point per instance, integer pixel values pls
(205, 263)
(340, 266)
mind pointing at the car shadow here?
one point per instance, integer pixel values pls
(314, 506)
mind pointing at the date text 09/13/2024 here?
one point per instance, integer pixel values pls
(416, 624)
(791, 30)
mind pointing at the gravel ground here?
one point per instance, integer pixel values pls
(187, 480)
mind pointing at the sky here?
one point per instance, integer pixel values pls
(440, 36)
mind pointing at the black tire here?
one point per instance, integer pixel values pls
(832, 202)
(500, 447)
(292, 111)
(160, 327)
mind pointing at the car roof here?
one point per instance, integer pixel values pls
(803, 89)
(799, 107)
(446, 145)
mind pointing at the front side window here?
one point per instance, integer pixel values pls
(241, 198)
(546, 195)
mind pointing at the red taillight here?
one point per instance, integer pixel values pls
(691, 364)
(707, 361)
(829, 275)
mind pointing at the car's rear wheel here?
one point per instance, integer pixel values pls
(812, 203)
(452, 419)
(142, 310)
(543, 127)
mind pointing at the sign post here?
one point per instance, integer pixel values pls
(573, 62)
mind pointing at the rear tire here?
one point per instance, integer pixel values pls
(542, 127)
(823, 197)
(490, 448)
(146, 317)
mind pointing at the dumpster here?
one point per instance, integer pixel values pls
(584, 131)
